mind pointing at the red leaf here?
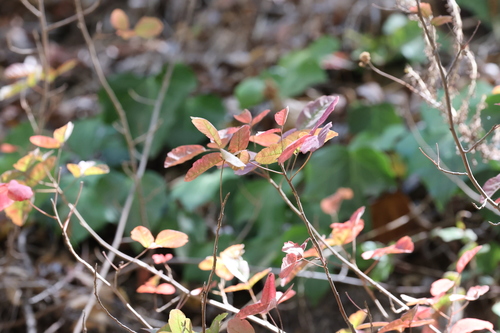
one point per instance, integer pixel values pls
(404, 245)
(313, 111)
(237, 325)
(467, 325)
(205, 127)
(259, 117)
(290, 149)
(244, 117)
(202, 165)
(281, 116)
(441, 286)
(182, 153)
(45, 142)
(142, 235)
(331, 204)
(466, 257)
(170, 238)
(267, 302)
(240, 139)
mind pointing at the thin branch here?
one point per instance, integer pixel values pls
(96, 294)
(493, 128)
(437, 164)
(73, 18)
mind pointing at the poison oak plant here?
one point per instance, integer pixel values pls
(273, 155)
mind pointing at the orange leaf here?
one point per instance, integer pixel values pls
(425, 8)
(259, 117)
(182, 153)
(202, 165)
(205, 127)
(251, 282)
(240, 139)
(244, 117)
(45, 142)
(148, 27)
(281, 116)
(7, 148)
(331, 204)
(142, 235)
(266, 138)
(170, 238)
(18, 212)
(63, 133)
(344, 233)
(403, 245)
(220, 269)
(119, 20)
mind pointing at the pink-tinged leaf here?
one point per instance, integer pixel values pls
(205, 127)
(45, 142)
(169, 238)
(182, 154)
(344, 233)
(240, 139)
(283, 297)
(266, 138)
(165, 289)
(326, 114)
(161, 258)
(119, 20)
(244, 117)
(425, 8)
(202, 165)
(281, 116)
(313, 111)
(63, 133)
(291, 148)
(18, 192)
(232, 160)
(142, 235)
(238, 325)
(491, 186)
(331, 204)
(270, 155)
(7, 148)
(316, 141)
(467, 325)
(441, 19)
(403, 245)
(18, 212)
(472, 294)
(148, 27)
(399, 325)
(441, 286)
(288, 264)
(466, 257)
(259, 117)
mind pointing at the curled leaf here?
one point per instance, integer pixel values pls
(403, 245)
(142, 235)
(87, 168)
(466, 257)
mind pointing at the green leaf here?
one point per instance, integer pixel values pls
(148, 27)
(182, 83)
(250, 92)
(179, 323)
(366, 171)
(216, 323)
(373, 118)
